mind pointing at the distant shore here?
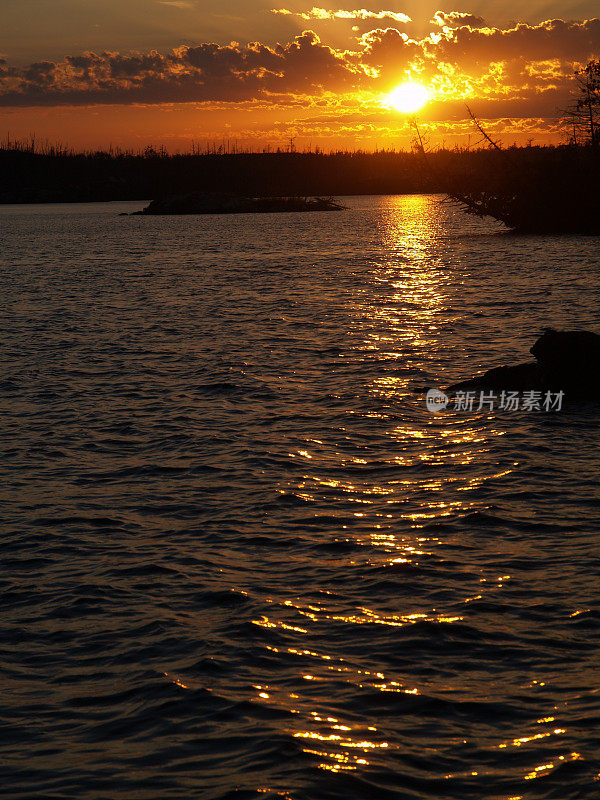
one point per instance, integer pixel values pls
(30, 177)
(58, 176)
(530, 189)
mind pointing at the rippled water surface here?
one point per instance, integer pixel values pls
(239, 557)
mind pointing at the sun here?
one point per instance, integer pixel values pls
(408, 97)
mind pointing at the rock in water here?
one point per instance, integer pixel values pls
(569, 358)
(519, 377)
(567, 361)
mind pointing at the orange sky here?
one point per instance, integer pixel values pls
(111, 73)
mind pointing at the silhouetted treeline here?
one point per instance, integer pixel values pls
(59, 175)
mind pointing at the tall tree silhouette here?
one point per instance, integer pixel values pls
(584, 112)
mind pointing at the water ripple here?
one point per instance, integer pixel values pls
(241, 560)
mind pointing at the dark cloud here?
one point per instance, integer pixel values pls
(568, 41)
(388, 51)
(84, 61)
(40, 73)
(205, 72)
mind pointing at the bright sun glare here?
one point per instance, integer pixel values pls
(408, 97)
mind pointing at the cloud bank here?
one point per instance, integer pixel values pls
(521, 71)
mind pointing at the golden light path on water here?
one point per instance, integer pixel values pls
(412, 294)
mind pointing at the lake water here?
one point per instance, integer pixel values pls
(240, 559)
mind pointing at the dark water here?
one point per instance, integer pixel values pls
(239, 557)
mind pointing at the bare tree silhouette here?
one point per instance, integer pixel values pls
(584, 112)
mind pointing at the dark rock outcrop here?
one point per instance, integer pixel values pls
(567, 361)
(199, 203)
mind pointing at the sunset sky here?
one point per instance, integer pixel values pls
(133, 72)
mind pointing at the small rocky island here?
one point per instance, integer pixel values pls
(200, 203)
(567, 361)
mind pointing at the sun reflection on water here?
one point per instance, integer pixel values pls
(388, 474)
